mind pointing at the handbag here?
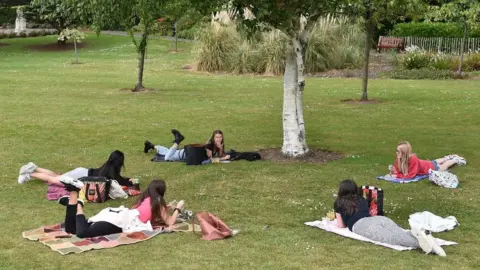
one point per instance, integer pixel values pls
(212, 227)
(96, 189)
(444, 179)
(195, 154)
(116, 191)
(374, 197)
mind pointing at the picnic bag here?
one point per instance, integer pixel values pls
(96, 189)
(195, 154)
(212, 227)
(374, 196)
(444, 179)
(116, 191)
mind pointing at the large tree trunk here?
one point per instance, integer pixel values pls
(142, 48)
(294, 137)
(462, 49)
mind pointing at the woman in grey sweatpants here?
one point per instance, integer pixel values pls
(352, 211)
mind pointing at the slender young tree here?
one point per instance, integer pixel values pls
(74, 35)
(131, 14)
(372, 12)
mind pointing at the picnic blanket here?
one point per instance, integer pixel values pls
(55, 237)
(389, 178)
(56, 191)
(331, 226)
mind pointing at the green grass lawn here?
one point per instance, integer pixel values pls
(63, 116)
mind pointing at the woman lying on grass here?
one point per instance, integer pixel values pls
(408, 165)
(110, 169)
(150, 209)
(215, 147)
(351, 210)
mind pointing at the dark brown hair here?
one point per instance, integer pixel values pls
(348, 195)
(156, 192)
(214, 146)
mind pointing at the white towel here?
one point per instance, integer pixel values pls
(428, 221)
(122, 217)
(331, 226)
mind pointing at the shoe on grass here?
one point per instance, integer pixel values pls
(28, 168)
(460, 161)
(425, 244)
(23, 178)
(147, 146)
(436, 248)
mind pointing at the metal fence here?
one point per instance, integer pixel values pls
(444, 45)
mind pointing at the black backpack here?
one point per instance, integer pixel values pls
(250, 156)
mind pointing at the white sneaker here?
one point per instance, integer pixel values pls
(28, 168)
(460, 160)
(67, 180)
(436, 248)
(23, 178)
(425, 244)
(450, 156)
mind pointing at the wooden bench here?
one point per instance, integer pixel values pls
(391, 43)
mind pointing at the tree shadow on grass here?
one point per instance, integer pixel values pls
(54, 47)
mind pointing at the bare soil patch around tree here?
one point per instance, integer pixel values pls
(359, 101)
(145, 89)
(54, 47)
(316, 156)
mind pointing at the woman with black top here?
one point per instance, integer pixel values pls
(351, 210)
(150, 209)
(110, 170)
(215, 147)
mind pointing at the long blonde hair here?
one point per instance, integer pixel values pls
(405, 153)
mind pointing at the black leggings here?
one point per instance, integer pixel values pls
(78, 225)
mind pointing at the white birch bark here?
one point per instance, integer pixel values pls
(299, 53)
(294, 142)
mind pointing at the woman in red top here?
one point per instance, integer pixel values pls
(408, 165)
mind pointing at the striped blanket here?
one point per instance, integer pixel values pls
(55, 237)
(389, 178)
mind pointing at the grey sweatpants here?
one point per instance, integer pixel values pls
(385, 230)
